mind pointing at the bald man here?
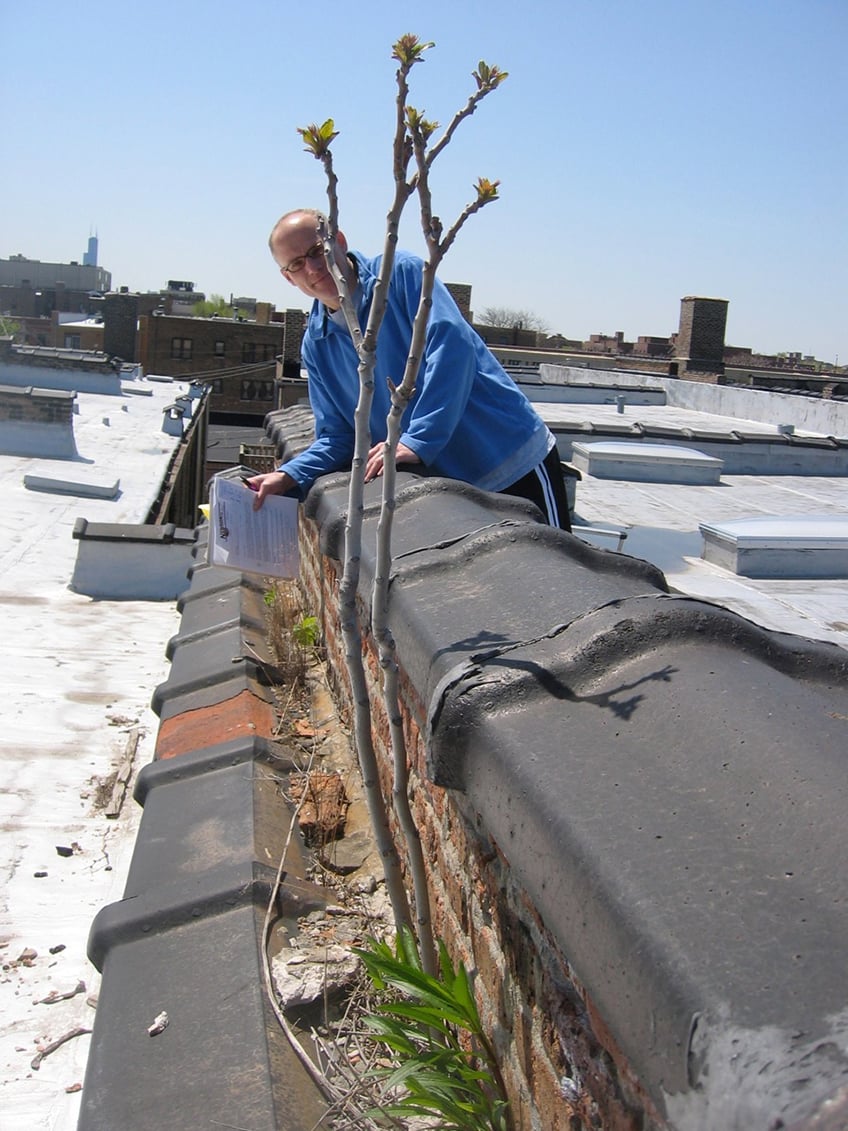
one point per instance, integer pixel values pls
(467, 420)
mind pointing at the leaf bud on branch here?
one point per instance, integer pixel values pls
(409, 50)
(487, 77)
(319, 138)
(418, 125)
(486, 190)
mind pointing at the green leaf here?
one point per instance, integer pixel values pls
(438, 1015)
(465, 999)
(418, 124)
(407, 949)
(446, 969)
(306, 631)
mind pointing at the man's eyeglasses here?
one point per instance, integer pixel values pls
(299, 262)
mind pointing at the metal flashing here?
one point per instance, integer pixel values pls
(187, 937)
(210, 759)
(455, 566)
(128, 561)
(205, 581)
(222, 1052)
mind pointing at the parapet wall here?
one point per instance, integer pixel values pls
(632, 805)
(37, 422)
(71, 370)
(459, 549)
(814, 414)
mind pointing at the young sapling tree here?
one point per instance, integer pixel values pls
(411, 147)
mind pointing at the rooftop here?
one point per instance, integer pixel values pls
(85, 671)
(77, 675)
(662, 520)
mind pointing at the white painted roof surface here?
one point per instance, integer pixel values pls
(77, 677)
(87, 322)
(662, 522)
(669, 416)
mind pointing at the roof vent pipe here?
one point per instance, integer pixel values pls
(172, 422)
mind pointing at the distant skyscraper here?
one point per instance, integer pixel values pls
(90, 257)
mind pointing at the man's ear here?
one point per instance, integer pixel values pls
(341, 241)
(286, 277)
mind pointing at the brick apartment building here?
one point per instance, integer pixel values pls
(76, 331)
(646, 345)
(236, 357)
(27, 302)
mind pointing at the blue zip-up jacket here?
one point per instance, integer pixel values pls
(467, 420)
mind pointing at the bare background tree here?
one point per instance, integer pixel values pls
(513, 319)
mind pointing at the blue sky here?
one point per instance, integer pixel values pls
(646, 151)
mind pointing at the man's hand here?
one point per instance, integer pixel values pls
(374, 463)
(274, 483)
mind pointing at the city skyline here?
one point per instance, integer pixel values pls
(644, 153)
(586, 340)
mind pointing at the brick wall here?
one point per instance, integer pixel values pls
(120, 325)
(700, 339)
(294, 323)
(559, 710)
(76, 335)
(507, 336)
(461, 295)
(244, 354)
(36, 406)
(31, 302)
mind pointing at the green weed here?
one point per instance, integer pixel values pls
(306, 632)
(446, 1067)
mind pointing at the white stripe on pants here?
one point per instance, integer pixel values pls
(548, 494)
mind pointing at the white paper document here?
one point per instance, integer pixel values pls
(263, 541)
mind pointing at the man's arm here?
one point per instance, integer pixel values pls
(448, 369)
(332, 448)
